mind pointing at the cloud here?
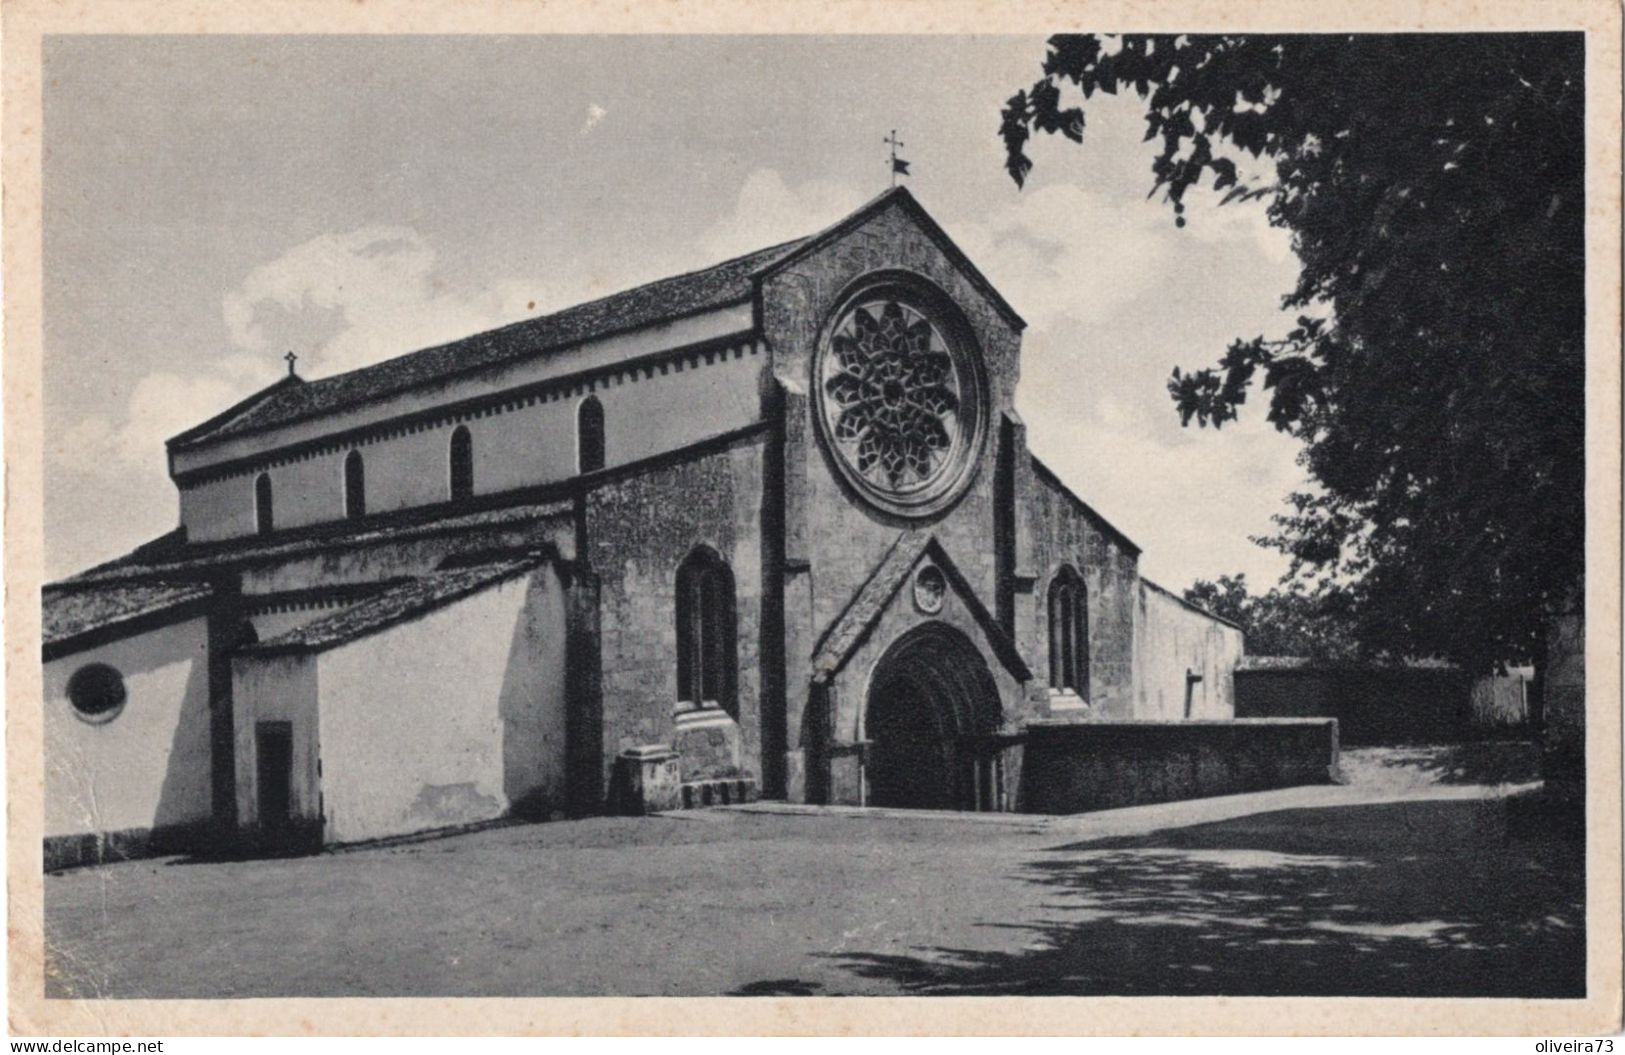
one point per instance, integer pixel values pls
(1061, 251)
(340, 301)
(1116, 295)
(769, 211)
(595, 114)
(343, 301)
(1192, 505)
(114, 468)
(161, 405)
(1209, 221)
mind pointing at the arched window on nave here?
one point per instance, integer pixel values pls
(590, 435)
(355, 485)
(707, 640)
(462, 463)
(1069, 632)
(263, 518)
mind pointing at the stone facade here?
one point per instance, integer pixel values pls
(639, 530)
(827, 428)
(833, 541)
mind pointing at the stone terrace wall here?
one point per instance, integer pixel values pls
(1073, 768)
(1373, 705)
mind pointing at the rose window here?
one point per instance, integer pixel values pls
(899, 404)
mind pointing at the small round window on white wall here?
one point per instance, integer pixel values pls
(97, 692)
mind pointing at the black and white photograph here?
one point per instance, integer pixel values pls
(1074, 512)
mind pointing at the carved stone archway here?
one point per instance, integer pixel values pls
(930, 699)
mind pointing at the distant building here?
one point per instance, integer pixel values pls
(778, 515)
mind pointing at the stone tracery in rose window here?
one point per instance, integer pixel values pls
(895, 394)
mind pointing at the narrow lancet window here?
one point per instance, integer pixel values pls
(1069, 633)
(355, 485)
(707, 654)
(462, 464)
(263, 521)
(590, 435)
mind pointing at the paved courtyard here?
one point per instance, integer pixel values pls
(1421, 877)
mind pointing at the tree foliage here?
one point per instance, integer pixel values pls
(1288, 620)
(1433, 186)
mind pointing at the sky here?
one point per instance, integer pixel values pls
(213, 202)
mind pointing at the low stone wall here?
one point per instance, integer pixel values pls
(1385, 705)
(1077, 767)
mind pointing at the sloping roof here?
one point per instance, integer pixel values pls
(1049, 475)
(932, 229)
(393, 606)
(852, 625)
(72, 615)
(237, 409)
(729, 282)
(182, 559)
(171, 556)
(1193, 606)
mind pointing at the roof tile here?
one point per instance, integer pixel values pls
(68, 613)
(393, 606)
(176, 558)
(726, 283)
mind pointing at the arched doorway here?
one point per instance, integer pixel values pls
(930, 696)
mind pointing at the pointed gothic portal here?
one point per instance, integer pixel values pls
(930, 702)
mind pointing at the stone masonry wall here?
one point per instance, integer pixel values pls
(833, 539)
(638, 530)
(1107, 765)
(1060, 532)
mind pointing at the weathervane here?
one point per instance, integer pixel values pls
(898, 165)
(291, 358)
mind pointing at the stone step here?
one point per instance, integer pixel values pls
(723, 791)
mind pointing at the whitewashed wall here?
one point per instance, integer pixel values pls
(149, 766)
(532, 444)
(448, 719)
(1172, 639)
(276, 689)
(594, 355)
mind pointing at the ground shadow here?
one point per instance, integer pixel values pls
(1423, 898)
(779, 987)
(1481, 762)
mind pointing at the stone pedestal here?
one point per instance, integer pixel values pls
(847, 786)
(651, 779)
(730, 791)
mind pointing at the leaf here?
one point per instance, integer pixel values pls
(1013, 129)
(1436, 373)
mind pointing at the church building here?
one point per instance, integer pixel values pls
(769, 529)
